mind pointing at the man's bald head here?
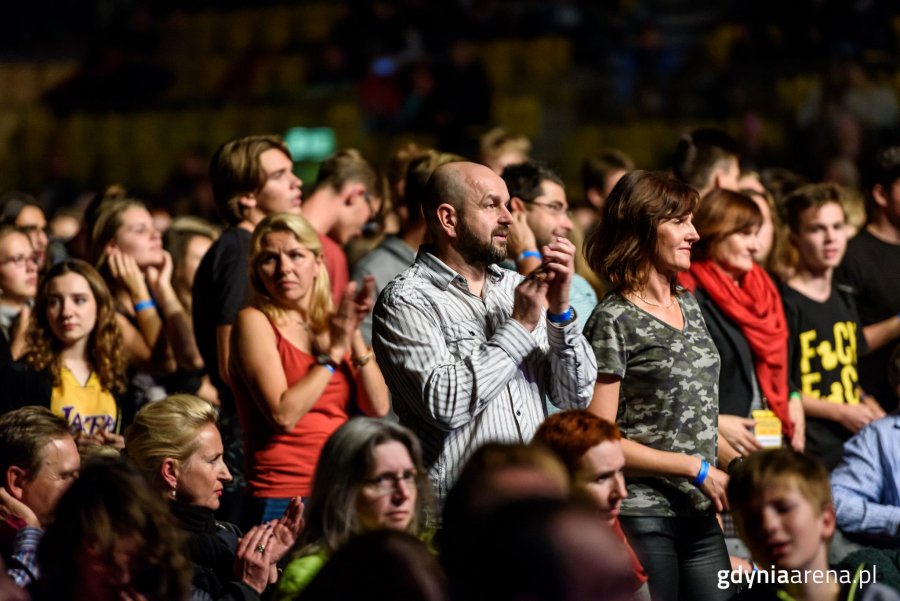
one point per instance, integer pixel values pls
(453, 184)
(444, 186)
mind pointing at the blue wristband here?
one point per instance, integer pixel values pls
(144, 304)
(562, 317)
(328, 366)
(701, 475)
(532, 254)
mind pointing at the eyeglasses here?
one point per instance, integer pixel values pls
(373, 203)
(557, 208)
(386, 484)
(20, 260)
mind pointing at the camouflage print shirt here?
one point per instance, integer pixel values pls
(669, 394)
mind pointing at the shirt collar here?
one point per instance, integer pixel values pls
(441, 274)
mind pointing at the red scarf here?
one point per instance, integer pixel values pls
(755, 306)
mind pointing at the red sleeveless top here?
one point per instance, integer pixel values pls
(279, 464)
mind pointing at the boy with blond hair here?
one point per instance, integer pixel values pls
(781, 501)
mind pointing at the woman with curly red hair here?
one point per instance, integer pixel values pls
(75, 363)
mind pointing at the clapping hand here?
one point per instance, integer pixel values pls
(559, 265)
(529, 299)
(286, 529)
(356, 303)
(253, 563)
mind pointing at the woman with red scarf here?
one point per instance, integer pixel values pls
(746, 320)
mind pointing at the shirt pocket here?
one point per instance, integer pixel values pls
(463, 338)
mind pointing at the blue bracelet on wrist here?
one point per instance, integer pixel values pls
(567, 315)
(144, 304)
(701, 475)
(533, 254)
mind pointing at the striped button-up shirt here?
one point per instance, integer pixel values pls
(462, 372)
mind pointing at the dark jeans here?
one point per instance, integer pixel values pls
(683, 556)
(258, 510)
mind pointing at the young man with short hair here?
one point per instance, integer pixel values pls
(826, 337)
(870, 267)
(343, 200)
(537, 201)
(251, 177)
(707, 159)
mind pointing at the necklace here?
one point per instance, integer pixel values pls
(671, 302)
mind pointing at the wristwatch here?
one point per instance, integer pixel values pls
(326, 360)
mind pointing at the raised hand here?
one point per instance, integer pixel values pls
(253, 558)
(160, 277)
(529, 299)
(11, 506)
(286, 529)
(559, 264)
(520, 237)
(124, 270)
(356, 303)
(364, 300)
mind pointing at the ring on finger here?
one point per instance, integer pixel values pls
(260, 548)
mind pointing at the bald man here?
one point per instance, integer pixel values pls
(469, 350)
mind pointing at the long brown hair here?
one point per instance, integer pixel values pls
(105, 343)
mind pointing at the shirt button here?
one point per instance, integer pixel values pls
(519, 412)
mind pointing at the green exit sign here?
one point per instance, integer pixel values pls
(310, 143)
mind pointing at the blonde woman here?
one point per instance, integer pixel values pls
(176, 444)
(299, 368)
(127, 250)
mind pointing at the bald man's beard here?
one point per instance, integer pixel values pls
(479, 252)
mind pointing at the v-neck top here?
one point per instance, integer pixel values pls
(668, 398)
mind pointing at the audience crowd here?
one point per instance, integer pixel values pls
(447, 383)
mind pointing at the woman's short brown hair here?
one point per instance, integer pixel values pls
(720, 214)
(624, 245)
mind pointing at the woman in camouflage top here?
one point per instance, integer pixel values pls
(658, 373)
